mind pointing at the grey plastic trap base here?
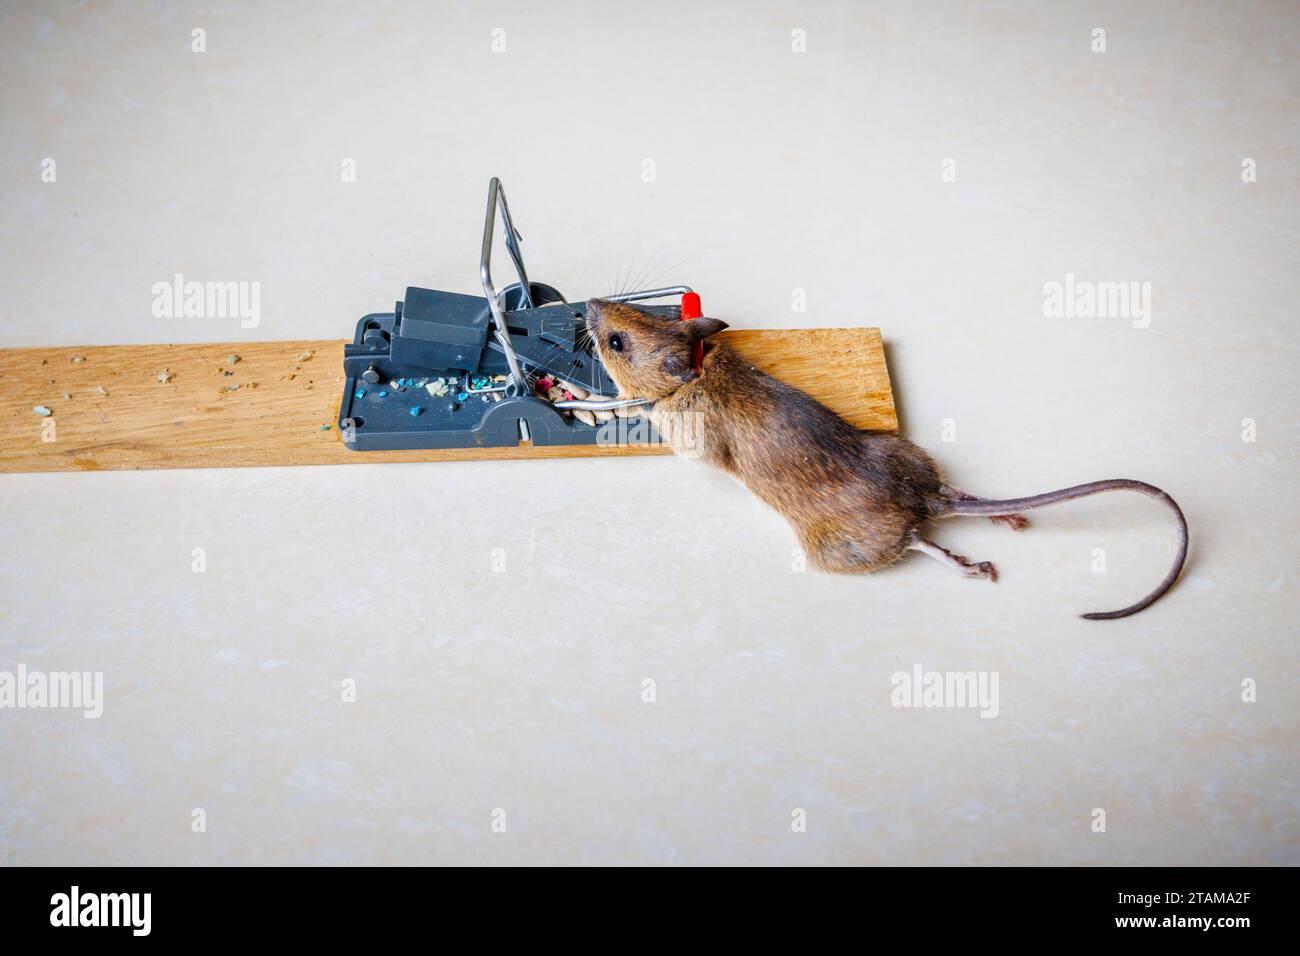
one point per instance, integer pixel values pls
(442, 335)
(479, 422)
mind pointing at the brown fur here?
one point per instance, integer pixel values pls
(853, 498)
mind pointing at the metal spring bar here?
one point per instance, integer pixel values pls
(519, 381)
(603, 405)
(649, 294)
(497, 200)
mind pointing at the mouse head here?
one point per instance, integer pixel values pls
(648, 356)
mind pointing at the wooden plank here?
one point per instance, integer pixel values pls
(289, 390)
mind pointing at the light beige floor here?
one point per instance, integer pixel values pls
(521, 689)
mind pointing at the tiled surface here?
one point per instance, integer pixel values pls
(521, 688)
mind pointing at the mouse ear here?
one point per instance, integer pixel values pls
(702, 328)
(678, 368)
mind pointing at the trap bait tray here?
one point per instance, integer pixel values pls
(280, 402)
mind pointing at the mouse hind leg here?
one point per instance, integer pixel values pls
(1014, 522)
(969, 568)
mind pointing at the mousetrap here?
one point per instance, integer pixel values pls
(443, 377)
(444, 370)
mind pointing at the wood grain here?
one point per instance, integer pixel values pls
(288, 390)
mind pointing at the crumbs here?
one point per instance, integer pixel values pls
(234, 373)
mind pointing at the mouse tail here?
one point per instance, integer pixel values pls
(988, 508)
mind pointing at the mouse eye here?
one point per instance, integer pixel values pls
(616, 342)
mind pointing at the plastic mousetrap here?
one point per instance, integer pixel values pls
(444, 370)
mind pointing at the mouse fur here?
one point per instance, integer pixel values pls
(857, 500)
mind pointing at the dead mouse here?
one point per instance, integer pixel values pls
(856, 500)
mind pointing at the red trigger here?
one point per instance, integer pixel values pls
(691, 309)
